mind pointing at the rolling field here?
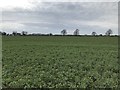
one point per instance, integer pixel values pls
(59, 62)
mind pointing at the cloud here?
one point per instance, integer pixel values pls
(12, 4)
(45, 17)
(11, 27)
(101, 24)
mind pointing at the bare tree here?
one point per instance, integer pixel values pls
(76, 32)
(0, 33)
(109, 32)
(24, 33)
(94, 33)
(4, 33)
(14, 33)
(64, 32)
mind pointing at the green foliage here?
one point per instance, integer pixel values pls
(60, 62)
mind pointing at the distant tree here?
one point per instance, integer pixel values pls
(50, 34)
(34, 34)
(24, 33)
(7, 34)
(100, 35)
(64, 32)
(4, 33)
(14, 33)
(76, 32)
(109, 32)
(94, 33)
(19, 34)
(0, 33)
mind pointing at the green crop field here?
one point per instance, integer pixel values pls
(59, 62)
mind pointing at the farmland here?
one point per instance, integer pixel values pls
(59, 62)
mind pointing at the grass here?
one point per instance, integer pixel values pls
(60, 62)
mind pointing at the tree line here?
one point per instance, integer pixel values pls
(76, 32)
(63, 33)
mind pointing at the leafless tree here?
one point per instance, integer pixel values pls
(64, 32)
(14, 33)
(94, 33)
(109, 32)
(76, 32)
(24, 33)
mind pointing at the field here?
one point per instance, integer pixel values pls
(59, 62)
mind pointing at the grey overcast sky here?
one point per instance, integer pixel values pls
(52, 17)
